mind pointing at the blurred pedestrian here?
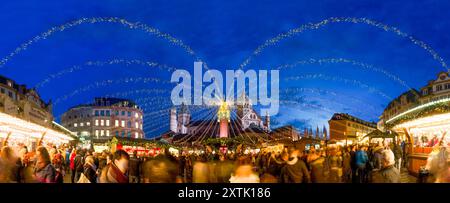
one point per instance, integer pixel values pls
(115, 172)
(388, 173)
(244, 173)
(361, 162)
(160, 169)
(294, 171)
(72, 165)
(44, 171)
(11, 163)
(90, 169)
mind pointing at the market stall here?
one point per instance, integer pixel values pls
(15, 132)
(422, 129)
(143, 147)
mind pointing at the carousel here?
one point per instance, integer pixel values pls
(422, 128)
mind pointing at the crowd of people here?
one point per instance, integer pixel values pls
(376, 163)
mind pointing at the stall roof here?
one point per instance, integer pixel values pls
(379, 134)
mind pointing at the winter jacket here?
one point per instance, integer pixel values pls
(90, 172)
(319, 171)
(72, 161)
(389, 174)
(134, 166)
(46, 174)
(295, 171)
(79, 162)
(397, 152)
(361, 158)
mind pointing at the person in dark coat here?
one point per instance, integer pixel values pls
(398, 155)
(388, 173)
(161, 169)
(295, 171)
(353, 163)
(134, 172)
(90, 169)
(319, 168)
(78, 164)
(346, 166)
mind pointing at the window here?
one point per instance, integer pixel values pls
(96, 133)
(96, 112)
(102, 133)
(81, 124)
(129, 134)
(123, 124)
(96, 122)
(3, 91)
(102, 113)
(137, 125)
(439, 88)
(107, 113)
(129, 124)
(117, 133)
(117, 123)
(102, 122)
(88, 123)
(141, 126)
(75, 125)
(129, 114)
(117, 113)
(123, 113)
(136, 115)
(123, 133)
(107, 133)
(107, 122)
(136, 135)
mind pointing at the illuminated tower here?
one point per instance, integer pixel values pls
(184, 118)
(173, 120)
(223, 117)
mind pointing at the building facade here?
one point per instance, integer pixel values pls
(17, 100)
(104, 118)
(25, 119)
(344, 127)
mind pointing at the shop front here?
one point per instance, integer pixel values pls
(422, 130)
(16, 132)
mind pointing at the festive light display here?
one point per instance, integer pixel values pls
(332, 20)
(95, 20)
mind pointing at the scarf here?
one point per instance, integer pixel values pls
(114, 175)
